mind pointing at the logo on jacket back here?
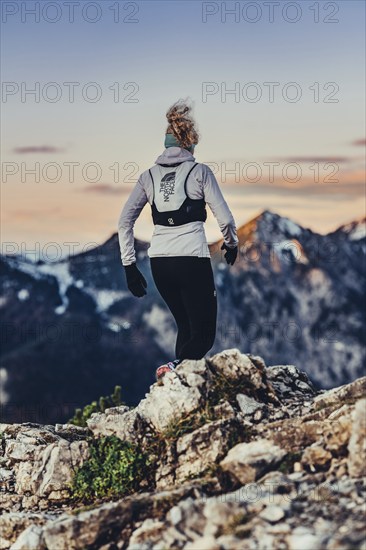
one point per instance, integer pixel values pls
(167, 185)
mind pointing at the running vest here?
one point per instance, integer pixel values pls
(171, 204)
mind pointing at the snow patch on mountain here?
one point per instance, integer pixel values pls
(290, 248)
(160, 320)
(24, 266)
(358, 231)
(4, 397)
(105, 298)
(23, 294)
(61, 272)
(290, 227)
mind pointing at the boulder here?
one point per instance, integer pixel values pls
(40, 464)
(316, 458)
(234, 366)
(347, 393)
(357, 442)
(248, 405)
(246, 462)
(13, 524)
(175, 398)
(179, 394)
(30, 539)
(289, 382)
(122, 422)
(203, 448)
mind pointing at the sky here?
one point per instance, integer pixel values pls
(278, 97)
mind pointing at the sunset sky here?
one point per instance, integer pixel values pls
(153, 54)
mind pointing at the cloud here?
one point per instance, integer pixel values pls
(359, 142)
(105, 188)
(37, 149)
(336, 190)
(22, 214)
(312, 159)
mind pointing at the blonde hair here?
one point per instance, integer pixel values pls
(181, 124)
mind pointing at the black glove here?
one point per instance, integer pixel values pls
(231, 253)
(135, 280)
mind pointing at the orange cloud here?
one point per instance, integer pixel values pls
(37, 149)
(106, 188)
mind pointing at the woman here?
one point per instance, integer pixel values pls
(178, 188)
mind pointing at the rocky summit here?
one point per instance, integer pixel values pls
(225, 453)
(72, 330)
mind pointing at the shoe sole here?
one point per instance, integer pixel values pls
(159, 378)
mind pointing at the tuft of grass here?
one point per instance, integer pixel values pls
(236, 520)
(223, 389)
(210, 471)
(178, 426)
(287, 464)
(114, 468)
(81, 415)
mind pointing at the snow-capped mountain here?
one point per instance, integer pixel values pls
(71, 330)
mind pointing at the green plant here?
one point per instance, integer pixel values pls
(81, 415)
(208, 472)
(287, 464)
(233, 522)
(114, 468)
(224, 389)
(178, 425)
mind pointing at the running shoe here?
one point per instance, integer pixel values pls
(167, 367)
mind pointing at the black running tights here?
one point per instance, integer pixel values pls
(186, 284)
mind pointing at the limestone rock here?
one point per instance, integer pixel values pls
(30, 539)
(71, 432)
(348, 392)
(248, 461)
(203, 543)
(248, 405)
(203, 447)
(234, 366)
(40, 464)
(120, 421)
(56, 465)
(316, 457)
(173, 400)
(92, 528)
(27, 443)
(274, 463)
(151, 529)
(179, 394)
(272, 514)
(357, 442)
(289, 382)
(12, 524)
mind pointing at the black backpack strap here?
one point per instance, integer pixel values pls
(185, 183)
(152, 179)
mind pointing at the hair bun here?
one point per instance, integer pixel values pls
(174, 116)
(182, 124)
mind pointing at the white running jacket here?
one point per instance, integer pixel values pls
(183, 240)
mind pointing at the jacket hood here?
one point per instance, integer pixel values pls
(172, 155)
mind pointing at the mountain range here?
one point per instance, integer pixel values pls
(71, 330)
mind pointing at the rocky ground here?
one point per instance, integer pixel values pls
(244, 456)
